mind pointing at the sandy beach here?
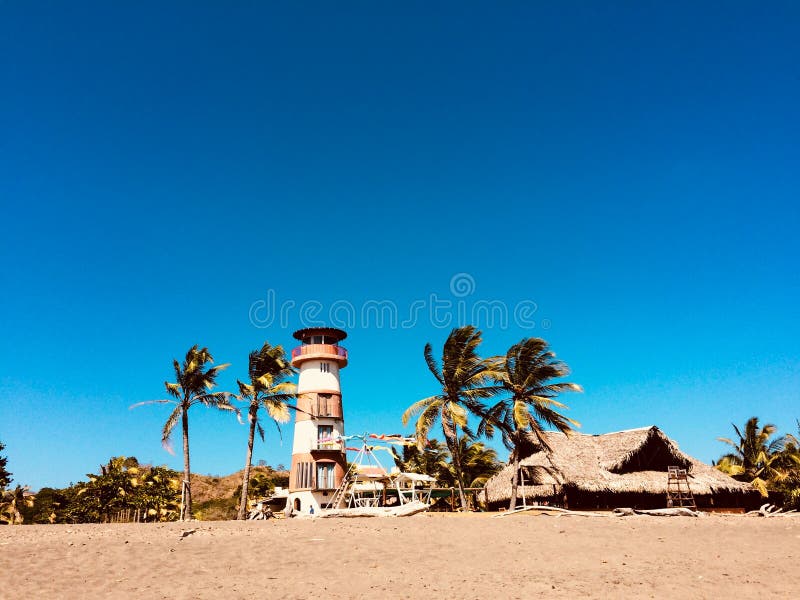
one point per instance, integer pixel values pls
(453, 556)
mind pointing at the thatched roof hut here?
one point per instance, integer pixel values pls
(625, 468)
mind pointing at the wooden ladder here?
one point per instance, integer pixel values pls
(679, 494)
(342, 489)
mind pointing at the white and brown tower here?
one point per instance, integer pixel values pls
(318, 454)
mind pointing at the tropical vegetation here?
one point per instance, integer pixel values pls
(770, 462)
(125, 490)
(12, 505)
(478, 462)
(122, 490)
(432, 459)
(5, 476)
(789, 486)
(12, 501)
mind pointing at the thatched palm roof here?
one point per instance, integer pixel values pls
(635, 461)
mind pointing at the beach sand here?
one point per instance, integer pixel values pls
(426, 556)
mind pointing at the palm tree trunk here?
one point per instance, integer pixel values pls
(514, 482)
(515, 478)
(246, 479)
(460, 478)
(187, 503)
(456, 456)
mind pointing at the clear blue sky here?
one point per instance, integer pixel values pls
(631, 168)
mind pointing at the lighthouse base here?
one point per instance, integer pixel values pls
(307, 502)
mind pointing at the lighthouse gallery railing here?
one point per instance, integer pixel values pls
(319, 349)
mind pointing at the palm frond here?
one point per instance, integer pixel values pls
(264, 381)
(457, 413)
(138, 404)
(491, 418)
(522, 416)
(418, 406)
(210, 376)
(166, 432)
(245, 390)
(433, 367)
(220, 401)
(173, 389)
(276, 409)
(285, 388)
(278, 428)
(424, 423)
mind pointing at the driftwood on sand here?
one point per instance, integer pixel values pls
(676, 511)
(545, 510)
(770, 510)
(260, 513)
(619, 512)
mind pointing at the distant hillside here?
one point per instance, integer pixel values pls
(217, 498)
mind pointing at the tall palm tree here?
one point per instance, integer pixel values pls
(466, 381)
(268, 370)
(525, 374)
(756, 457)
(194, 380)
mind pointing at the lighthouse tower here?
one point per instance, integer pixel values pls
(318, 453)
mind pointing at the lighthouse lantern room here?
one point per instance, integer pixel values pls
(318, 453)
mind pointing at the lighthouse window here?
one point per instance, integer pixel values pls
(305, 475)
(325, 479)
(325, 367)
(323, 406)
(325, 436)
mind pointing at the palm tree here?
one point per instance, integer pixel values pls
(268, 370)
(478, 461)
(113, 490)
(158, 494)
(789, 463)
(193, 385)
(755, 458)
(11, 501)
(466, 381)
(430, 460)
(526, 375)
